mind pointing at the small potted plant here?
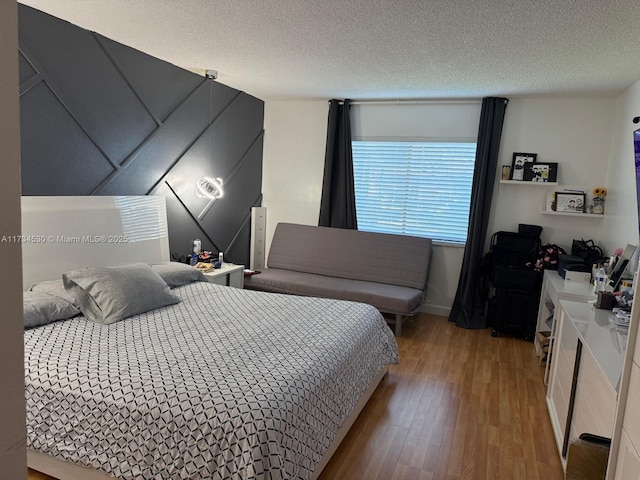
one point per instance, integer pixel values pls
(599, 193)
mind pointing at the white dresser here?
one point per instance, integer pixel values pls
(624, 459)
(585, 373)
(554, 288)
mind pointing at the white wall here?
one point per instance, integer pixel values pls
(620, 225)
(294, 150)
(578, 133)
(438, 121)
(621, 221)
(12, 416)
(293, 162)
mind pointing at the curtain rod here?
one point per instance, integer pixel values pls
(415, 102)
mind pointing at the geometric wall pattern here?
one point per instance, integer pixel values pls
(101, 118)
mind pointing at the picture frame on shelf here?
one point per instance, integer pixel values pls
(518, 162)
(540, 172)
(570, 202)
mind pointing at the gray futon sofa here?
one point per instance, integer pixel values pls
(387, 271)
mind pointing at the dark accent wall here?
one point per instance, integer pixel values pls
(101, 118)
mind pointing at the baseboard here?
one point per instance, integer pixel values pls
(436, 310)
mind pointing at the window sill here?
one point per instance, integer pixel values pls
(440, 243)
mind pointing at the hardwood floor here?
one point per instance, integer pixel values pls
(460, 405)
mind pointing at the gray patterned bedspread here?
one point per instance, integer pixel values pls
(227, 384)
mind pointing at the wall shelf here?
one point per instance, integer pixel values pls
(537, 184)
(573, 214)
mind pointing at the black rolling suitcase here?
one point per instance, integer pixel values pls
(513, 249)
(514, 306)
(515, 286)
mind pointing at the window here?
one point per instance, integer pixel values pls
(414, 188)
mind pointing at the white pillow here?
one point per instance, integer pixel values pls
(40, 308)
(109, 294)
(178, 274)
(53, 287)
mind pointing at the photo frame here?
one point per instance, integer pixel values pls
(540, 172)
(570, 202)
(518, 163)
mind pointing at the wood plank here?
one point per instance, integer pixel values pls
(460, 405)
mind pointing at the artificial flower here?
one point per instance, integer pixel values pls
(599, 192)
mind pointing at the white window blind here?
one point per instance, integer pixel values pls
(414, 188)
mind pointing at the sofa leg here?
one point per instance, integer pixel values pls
(398, 325)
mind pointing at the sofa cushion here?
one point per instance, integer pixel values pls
(386, 298)
(351, 254)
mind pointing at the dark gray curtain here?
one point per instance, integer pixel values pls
(338, 203)
(468, 307)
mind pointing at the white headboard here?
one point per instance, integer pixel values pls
(66, 233)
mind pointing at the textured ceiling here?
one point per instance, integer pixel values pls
(405, 49)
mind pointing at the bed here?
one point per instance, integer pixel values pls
(216, 383)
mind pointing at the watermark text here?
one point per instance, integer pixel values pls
(63, 239)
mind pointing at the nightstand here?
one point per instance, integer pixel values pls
(229, 275)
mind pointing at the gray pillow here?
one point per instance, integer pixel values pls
(53, 287)
(40, 309)
(178, 274)
(109, 294)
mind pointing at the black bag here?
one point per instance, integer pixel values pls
(587, 250)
